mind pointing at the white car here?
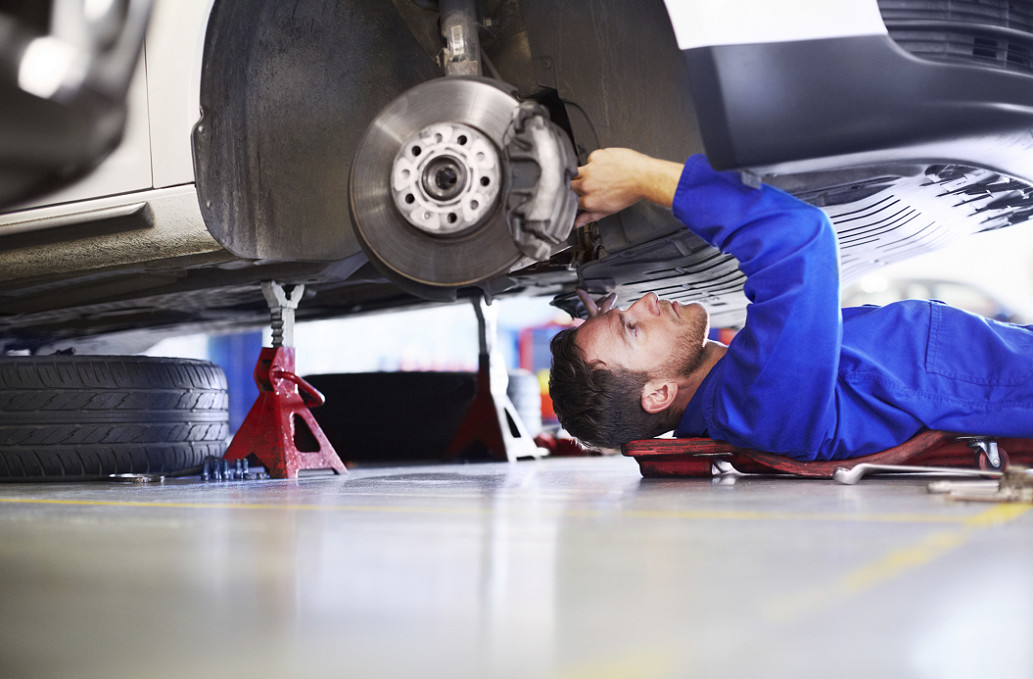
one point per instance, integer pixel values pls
(389, 153)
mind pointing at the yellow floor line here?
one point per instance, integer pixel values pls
(249, 506)
(703, 515)
(998, 514)
(891, 566)
(743, 515)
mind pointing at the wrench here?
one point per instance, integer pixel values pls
(852, 475)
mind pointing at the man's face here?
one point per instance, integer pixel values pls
(661, 338)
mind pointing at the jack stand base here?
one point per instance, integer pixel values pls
(491, 421)
(279, 430)
(494, 423)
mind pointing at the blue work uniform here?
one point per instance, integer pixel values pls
(810, 381)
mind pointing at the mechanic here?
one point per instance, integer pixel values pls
(802, 378)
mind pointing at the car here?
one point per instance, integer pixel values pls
(418, 152)
(66, 71)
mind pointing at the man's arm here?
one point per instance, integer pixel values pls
(775, 388)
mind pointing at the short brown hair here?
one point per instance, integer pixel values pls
(601, 407)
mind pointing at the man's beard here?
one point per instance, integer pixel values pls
(689, 356)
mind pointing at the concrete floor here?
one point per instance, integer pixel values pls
(560, 568)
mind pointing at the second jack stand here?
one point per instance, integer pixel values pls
(491, 421)
(279, 430)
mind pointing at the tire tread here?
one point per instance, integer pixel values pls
(78, 418)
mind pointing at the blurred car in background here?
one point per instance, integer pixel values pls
(65, 69)
(878, 290)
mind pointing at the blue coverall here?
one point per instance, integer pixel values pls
(807, 380)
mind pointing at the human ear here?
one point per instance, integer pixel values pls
(658, 395)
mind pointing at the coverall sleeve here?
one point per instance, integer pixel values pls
(775, 388)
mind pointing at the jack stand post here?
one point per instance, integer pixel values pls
(279, 430)
(491, 420)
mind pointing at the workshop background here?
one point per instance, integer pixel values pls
(234, 171)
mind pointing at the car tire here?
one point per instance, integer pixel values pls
(76, 418)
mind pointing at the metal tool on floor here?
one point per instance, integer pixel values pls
(212, 469)
(851, 475)
(216, 469)
(279, 430)
(1014, 485)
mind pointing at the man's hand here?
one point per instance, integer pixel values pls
(595, 307)
(616, 178)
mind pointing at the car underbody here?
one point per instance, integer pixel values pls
(909, 140)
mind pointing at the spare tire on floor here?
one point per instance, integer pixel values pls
(74, 418)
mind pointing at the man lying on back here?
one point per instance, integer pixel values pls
(802, 378)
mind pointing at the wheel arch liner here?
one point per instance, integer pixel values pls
(287, 90)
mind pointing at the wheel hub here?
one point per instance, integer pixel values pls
(446, 178)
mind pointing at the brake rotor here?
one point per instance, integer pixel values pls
(429, 180)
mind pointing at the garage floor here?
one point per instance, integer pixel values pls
(560, 568)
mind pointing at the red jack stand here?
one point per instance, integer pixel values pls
(279, 430)
(491, 421)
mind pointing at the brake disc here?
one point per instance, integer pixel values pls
(457, 182)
